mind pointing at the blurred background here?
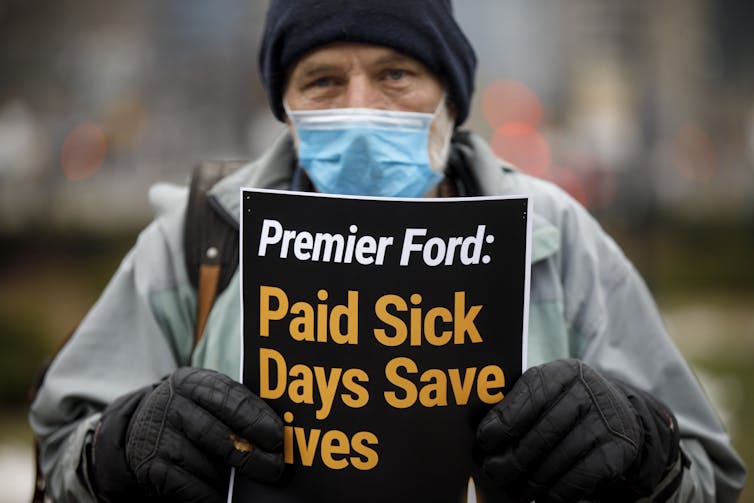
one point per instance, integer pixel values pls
(643, 110)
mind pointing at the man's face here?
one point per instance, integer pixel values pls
(351, 75)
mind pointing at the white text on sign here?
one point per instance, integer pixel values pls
(367, 250)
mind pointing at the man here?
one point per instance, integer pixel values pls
(607, 411)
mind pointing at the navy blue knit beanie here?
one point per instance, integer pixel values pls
(422, 29)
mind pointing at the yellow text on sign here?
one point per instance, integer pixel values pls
(438, 387)
(437, 325)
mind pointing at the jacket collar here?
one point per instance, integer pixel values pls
(273, 170)
(495, 178)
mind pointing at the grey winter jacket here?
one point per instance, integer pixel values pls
(587, 302)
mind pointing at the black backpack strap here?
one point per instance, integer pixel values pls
(210, 242)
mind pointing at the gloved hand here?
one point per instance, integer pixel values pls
(177, 440)
(566, 433)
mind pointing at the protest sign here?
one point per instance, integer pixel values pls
(381, 331)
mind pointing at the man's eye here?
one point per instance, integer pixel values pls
(396, 74)
(322, 82)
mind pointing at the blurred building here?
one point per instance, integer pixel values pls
(634, 107)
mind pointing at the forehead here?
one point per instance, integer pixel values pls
(345, 54)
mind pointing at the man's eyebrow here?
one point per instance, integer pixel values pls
(307, 69)
(394, 58)
(310, 68)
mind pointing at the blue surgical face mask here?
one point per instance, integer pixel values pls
(365, 152)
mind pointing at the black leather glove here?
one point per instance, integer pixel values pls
(566, 433)
(176, 441)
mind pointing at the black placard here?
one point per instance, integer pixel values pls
(381, 331)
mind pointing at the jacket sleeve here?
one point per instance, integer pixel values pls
(136, 333)
(616, 328)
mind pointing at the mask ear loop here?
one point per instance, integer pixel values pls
(287, 109)
(301, 180)
(438, 151)
(440, 103)
(292, 126)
